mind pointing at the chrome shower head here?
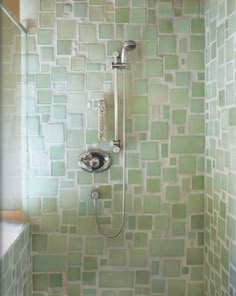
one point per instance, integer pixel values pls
(127, 46)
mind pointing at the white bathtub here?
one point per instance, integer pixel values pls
(9, 231)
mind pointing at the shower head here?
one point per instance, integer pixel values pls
(127, 46)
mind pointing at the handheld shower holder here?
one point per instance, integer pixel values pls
(116, 64)
(119, 65)
(116, 146)
(119, 58)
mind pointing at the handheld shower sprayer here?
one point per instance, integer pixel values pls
(120, 59)
(127, 46)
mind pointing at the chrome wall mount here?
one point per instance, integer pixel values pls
(94, 161)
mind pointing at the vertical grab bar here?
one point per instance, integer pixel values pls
(116, 110)
(116, 141)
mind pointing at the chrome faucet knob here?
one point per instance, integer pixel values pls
(115, 56)
(94, 194)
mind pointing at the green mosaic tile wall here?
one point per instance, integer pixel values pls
(15, 265)
(220, 222)
(160, 250)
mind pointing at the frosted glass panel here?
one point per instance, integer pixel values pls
(12, 113)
